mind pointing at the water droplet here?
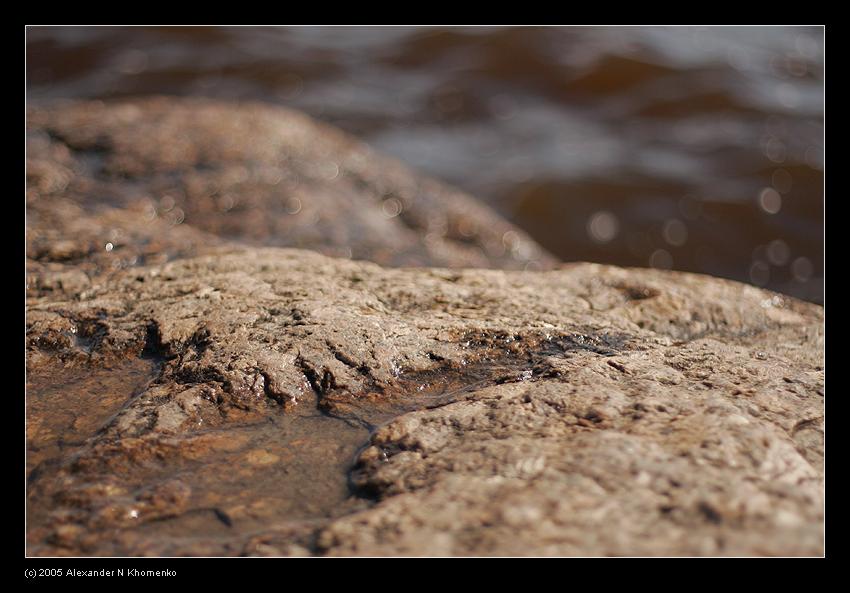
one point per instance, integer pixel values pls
(226, 203)
(166, 203)
(509, 239)
(177, 216)
(392, 207)
(293, 205)
(328, 170)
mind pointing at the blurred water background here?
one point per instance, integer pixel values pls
(697, 149)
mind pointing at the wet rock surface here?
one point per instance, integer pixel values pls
(303, 404)
(193, 393)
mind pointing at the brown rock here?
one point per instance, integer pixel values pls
(191, 392)
(251, 173)
(557, 413)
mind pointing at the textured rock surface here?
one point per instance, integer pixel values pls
(591, 410)
(191, 392)
(252, 173)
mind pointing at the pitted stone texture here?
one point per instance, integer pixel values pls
(590, 410)
(640, 461)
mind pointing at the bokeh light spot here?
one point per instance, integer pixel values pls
(603, 226)
(661, 259)
(802, 269)
(770, 201)
(759, 273)
(675, 232)
(392, 207)
(293, 205)
(778, 252)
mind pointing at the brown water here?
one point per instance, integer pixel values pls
(67, 406)
(286, 471)
(699, 149)
(263, 476)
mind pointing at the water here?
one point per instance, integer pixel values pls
(209, 487)
(69, 405)
(697, 149)
(264, 473)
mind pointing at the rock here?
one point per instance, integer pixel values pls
(196, 389)
(251, 173)
(590, 410)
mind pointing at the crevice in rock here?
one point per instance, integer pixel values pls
(153, 346)
(361, 368)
